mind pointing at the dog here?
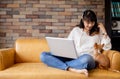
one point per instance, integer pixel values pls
(101, 60)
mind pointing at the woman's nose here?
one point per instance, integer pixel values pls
(89, 25)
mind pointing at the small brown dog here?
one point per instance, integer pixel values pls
(101, 60)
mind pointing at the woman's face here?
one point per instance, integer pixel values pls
(88, 25)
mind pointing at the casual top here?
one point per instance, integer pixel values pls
(85, 44)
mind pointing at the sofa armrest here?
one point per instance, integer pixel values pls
(6, 58)
(114, 57)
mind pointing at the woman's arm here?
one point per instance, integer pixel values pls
(104, 37)
(102, 29)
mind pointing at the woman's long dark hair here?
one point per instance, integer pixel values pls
(90, 16)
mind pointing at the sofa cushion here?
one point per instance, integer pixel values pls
(28, 50)
(41, 71)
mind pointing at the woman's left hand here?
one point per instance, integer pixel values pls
(102, 28)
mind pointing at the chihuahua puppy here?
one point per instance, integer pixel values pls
(101, 60)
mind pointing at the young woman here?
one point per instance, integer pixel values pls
(85, 35)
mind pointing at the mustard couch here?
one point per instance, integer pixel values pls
(23, 62)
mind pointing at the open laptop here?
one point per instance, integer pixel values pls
(62, 47)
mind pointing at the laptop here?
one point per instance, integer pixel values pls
(62, 47)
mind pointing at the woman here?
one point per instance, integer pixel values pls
(85, 35)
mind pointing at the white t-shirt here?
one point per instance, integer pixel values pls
(85, 44)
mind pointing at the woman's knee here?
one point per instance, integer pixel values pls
(91, 62)
(86, 57)
(43, 56)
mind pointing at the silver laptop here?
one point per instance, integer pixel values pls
(62, 47)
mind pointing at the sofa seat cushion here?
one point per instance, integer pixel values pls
(41, 71)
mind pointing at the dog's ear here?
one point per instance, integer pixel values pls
(95, 45)
(102, 45)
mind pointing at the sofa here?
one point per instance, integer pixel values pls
(23, 62)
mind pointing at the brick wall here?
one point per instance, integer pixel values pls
(40, 18)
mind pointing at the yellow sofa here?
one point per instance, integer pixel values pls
(23, 62)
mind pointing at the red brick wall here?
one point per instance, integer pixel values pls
(40, 18)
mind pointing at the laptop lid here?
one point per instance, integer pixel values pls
(62, 47)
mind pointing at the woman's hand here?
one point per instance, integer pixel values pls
(102, 28)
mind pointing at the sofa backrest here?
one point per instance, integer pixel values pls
(29, 49)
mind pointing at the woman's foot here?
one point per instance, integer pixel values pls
(81, 71)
